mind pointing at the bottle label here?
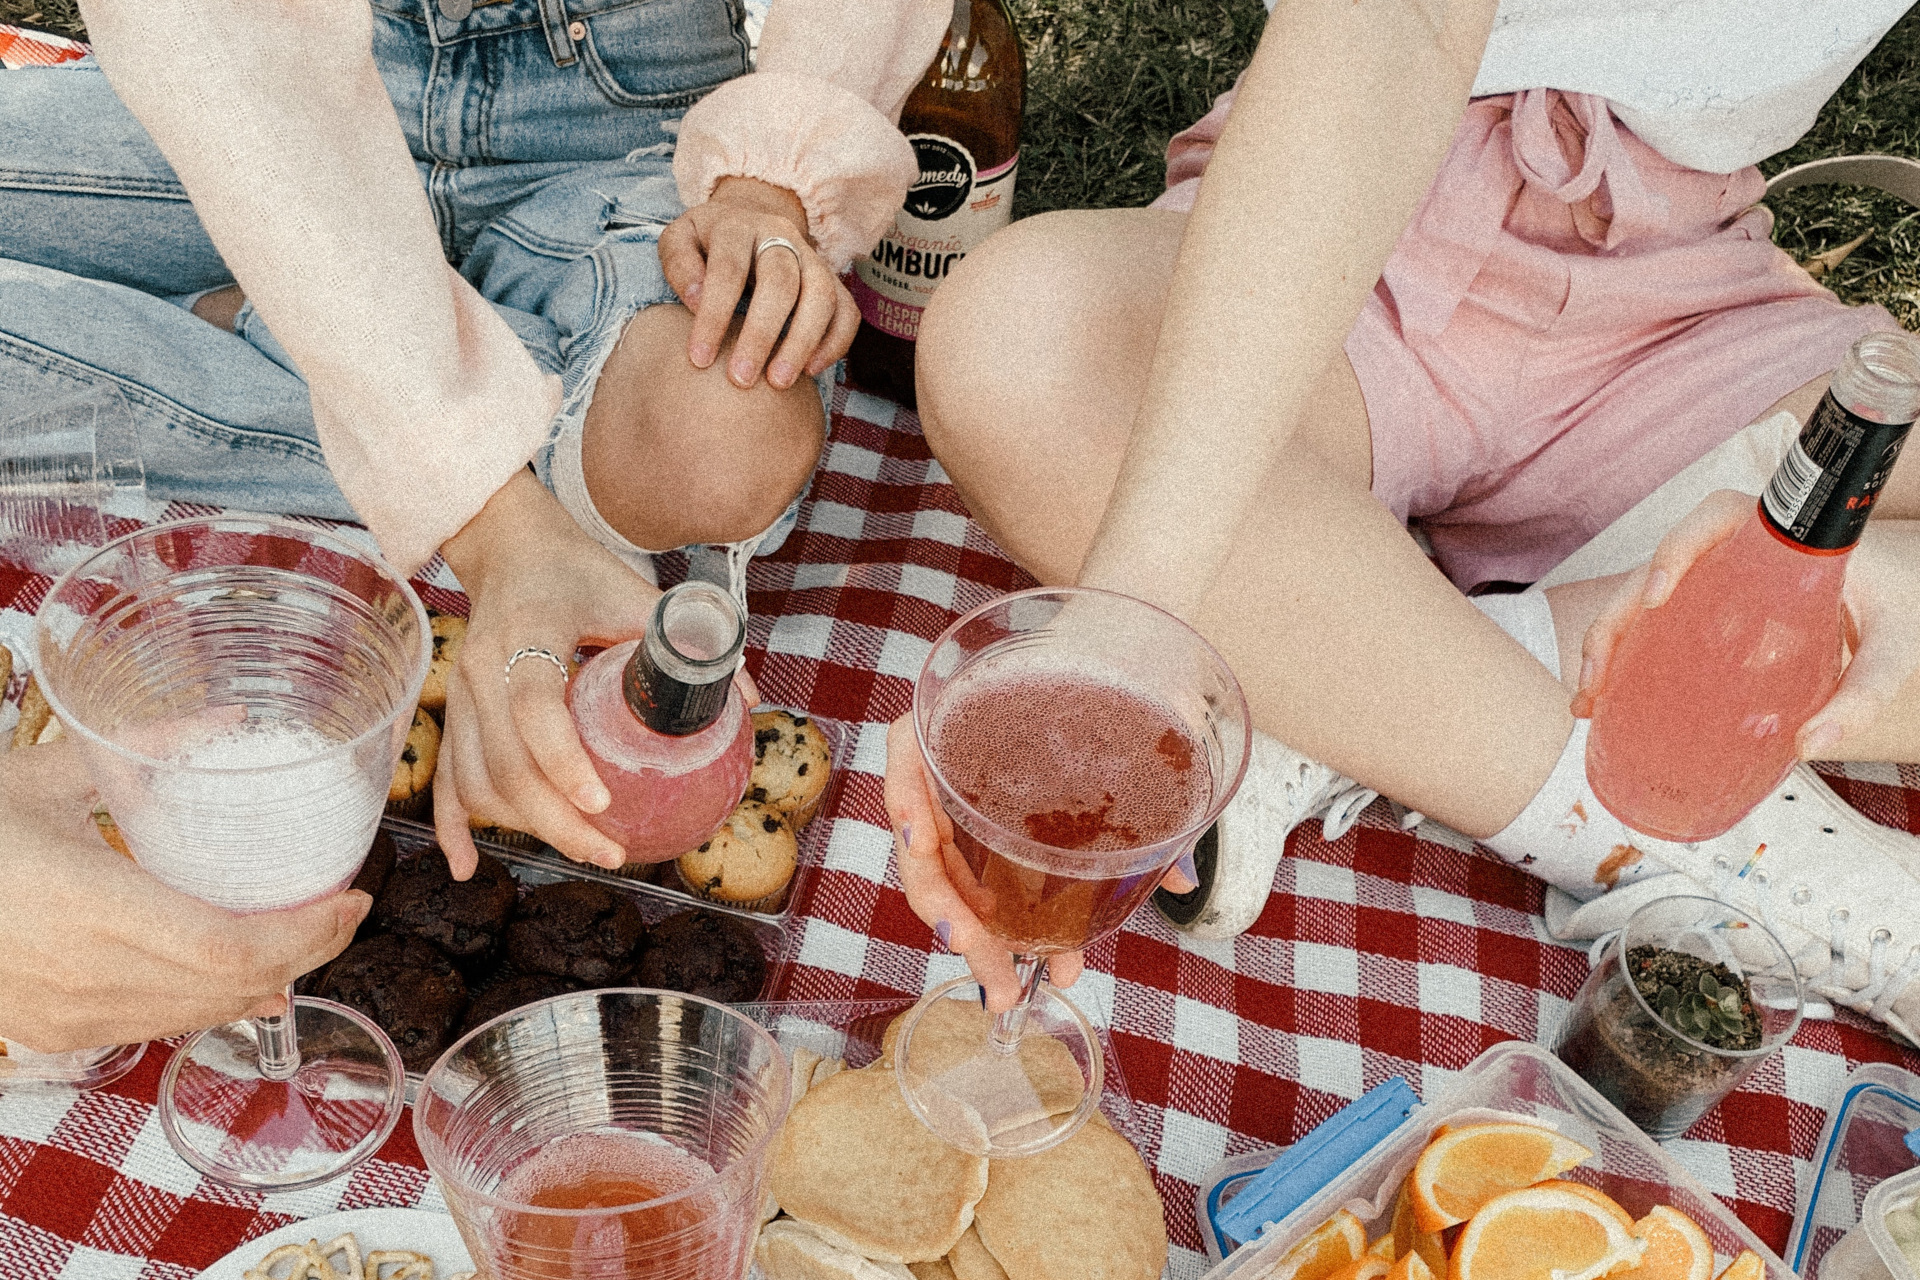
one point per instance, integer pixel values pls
(669, 706)
(950, 209)
(1827, 484)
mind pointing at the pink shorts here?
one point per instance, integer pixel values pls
(1569, 321)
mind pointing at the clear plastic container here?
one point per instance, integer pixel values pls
(66, 467)
(1896, 1198)
(1509, 1081)
(664, 877)
(1871, 1135)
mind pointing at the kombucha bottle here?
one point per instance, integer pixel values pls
(1696, 720)
(964, 123)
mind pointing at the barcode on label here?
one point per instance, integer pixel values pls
(1792, 485)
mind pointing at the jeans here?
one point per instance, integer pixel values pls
(543, 133)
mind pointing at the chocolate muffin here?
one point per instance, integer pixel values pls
(378, 866)
(704, 953)
(576, 929)
(464, 918)
(508, 991)
(405, 984)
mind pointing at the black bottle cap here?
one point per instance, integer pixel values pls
(678, 677)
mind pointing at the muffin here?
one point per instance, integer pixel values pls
(405, 984)
(506, 992)
(747, 863)
(372, 879)
(448, 635)
(410, 794)
(704, 953)
(791, 765)
(464, 918)
(577, 929)
(505, 836)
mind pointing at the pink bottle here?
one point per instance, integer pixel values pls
(667, 729)
(1706, 694)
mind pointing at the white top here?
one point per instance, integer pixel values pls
(1714, 85)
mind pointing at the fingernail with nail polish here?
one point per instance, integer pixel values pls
(906, 835)
(1186, 868)
(943, 930)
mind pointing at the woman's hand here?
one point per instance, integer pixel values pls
(709, 257)
(96, 952)
(1882, 599)
(510, 754)
(928, 861)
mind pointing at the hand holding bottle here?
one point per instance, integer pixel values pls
(1881, 598)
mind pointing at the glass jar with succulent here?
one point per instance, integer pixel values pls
(1687, 1000)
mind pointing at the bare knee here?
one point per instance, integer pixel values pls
(675, 455)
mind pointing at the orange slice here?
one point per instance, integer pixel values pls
(1464, 1168)
(1598, 1196)
(1543, 1233)
(1411, 1267)
(1382, 1248)
(1326, 1249)
(1363, 1268)
(1677, 1249)
(1745, 1267)
(1409, 1238)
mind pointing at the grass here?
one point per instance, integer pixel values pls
(1112, 80)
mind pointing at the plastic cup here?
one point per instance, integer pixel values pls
(65, 466)
(1649, 1055)
(618, 1133)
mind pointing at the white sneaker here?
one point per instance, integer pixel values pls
(1840, 891)
(1236, 858)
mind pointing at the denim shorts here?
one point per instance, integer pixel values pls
(543, 132)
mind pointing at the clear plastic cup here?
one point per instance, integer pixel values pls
(65, 467)
(619, 1132)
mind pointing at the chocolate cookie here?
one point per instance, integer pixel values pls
(405, 984)
(507, 992)
(704, 953)
(576, 929)
(464, 918)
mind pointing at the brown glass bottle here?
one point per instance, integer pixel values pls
(964, 122)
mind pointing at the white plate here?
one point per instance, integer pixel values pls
(430, 1233)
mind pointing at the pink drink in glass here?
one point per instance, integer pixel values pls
(1087, 767)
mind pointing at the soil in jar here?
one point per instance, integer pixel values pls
(1662, 1083)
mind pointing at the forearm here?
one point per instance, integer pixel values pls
(274, 117)
(1341, 122)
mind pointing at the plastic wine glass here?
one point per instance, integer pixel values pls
(242, 687)
(1079, 742)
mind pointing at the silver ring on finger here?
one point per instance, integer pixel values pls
(778, 242)
(535, 651)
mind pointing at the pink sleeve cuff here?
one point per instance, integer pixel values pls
(850, 167)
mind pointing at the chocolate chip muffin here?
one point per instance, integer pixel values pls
(579, 930)
(405, 984)
(791, 765)
(748, 862)
(448, 635)
(410, 793)
(464, 918)
(508, 991)
(704, 953)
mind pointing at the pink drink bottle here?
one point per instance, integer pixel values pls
(667, 730)
(1705, 695)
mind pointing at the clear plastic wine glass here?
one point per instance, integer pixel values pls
(242, 687)
(1079, 743)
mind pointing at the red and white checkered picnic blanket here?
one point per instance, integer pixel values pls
(1384, 953)
(20, 47)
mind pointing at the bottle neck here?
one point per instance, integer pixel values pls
(678, 678)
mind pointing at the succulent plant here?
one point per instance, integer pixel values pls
(1711, 1011)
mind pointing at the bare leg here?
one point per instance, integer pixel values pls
(221, 307)
(1351, 646)
(677, 455)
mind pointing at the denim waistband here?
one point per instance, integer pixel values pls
(452, 21)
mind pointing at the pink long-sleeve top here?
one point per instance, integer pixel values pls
(424, 400)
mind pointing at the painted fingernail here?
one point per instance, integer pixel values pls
(1186, 868)
(1656, 588)
(943, 930)
(592, 798)
(780, 374)
(1822, 739)
(906, 835)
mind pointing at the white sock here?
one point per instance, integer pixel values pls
(1564, 836)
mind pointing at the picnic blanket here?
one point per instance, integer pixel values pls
(1383, 953)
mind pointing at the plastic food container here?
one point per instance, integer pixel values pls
(1872, 1136)
(663, 877)
(1515, 1080)
(1891, 1215)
